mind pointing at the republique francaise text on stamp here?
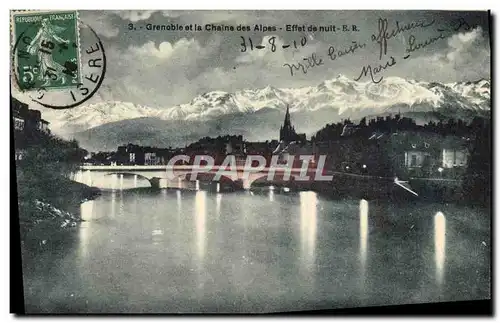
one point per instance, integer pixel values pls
(49, 61)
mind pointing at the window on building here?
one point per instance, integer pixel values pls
(413, 162)
(19, 155)
(448, 158)
(18, 124)
(461, 158)
(454, 158)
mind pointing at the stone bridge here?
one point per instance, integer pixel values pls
(240, 177)
(237, 176)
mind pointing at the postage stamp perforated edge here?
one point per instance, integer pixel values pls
(13, 41)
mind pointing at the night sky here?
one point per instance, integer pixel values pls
(165, 68)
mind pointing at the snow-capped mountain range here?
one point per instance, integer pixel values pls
(341, 96)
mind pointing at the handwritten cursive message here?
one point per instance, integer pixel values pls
(314, 60)
(373, 70)
(384, 35)
(386, 31)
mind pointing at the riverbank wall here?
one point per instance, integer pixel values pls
(385, 188)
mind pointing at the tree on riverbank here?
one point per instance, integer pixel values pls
(477, 183)
(42, 176)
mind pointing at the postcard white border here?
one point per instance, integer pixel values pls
(220, 4)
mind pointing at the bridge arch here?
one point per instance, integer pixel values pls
(154, 174)
(151, 180)
(209, 177)
(154, 181)
(277, 180)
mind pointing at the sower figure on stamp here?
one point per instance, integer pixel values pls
(42, 45)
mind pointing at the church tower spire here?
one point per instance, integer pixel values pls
(287, 123)
(287, 132)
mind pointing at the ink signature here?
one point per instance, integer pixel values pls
(368, 70)
(412, 46)
(455, 25)
(383, 35)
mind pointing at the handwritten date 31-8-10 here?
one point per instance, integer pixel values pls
(271, 42)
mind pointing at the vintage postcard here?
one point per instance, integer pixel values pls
(251, 161)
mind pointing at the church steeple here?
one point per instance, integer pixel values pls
(287, 132)
(287, 122)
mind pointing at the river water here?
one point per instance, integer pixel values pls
(183, 251)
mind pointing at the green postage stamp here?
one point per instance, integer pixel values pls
(46, 50)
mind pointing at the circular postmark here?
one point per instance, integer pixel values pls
(58, 61)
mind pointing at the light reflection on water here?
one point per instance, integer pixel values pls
(200, 218)
(83, 177)
(218, 200)
(87, 215)
(86, 210)
(121, 210)
(275, 251)
(113, 204)
(179, 202)
(308, 215)
(440, 245)
(271, 194)
(363, 233)
(157, 230)
(114, 178)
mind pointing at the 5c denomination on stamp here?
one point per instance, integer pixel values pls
(50, 63)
